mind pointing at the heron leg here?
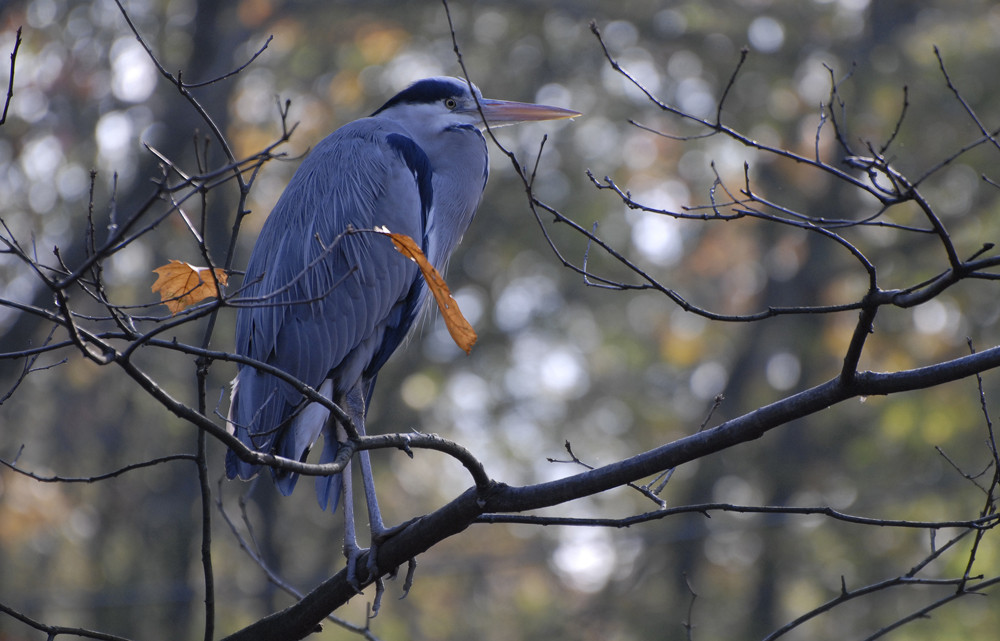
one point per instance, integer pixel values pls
(351, 549)
(356, 407)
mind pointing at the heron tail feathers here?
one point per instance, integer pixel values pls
(237, 468)
(329, 488)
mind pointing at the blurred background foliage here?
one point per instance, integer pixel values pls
(613, 373)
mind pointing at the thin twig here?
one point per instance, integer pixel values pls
(10, 80)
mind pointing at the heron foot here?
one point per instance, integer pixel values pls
(377, 601)
(353, 553)
(379, 534)
(411, 569)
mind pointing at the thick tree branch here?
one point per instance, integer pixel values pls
(417, 536)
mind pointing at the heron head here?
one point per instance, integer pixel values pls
(450, 102)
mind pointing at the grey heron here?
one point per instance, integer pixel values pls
(330, 309)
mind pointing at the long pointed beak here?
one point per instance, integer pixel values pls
(505, 112)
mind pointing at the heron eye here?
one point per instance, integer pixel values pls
(450, 103)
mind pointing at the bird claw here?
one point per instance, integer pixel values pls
(377, 601)
(377, 537)
(353, 553)
(411, 568)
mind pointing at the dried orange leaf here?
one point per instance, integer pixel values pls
(459, 328)
(181, 284)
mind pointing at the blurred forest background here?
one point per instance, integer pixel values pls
(613, 373)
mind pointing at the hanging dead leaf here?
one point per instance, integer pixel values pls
(459, 328)
(181, 284)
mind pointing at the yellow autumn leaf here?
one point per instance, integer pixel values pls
(181, 284)
(459, 328)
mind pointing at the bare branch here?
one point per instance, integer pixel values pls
(12, 465)
(54, 631)
(10, 80)
(705, 509)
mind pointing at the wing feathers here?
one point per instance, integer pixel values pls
(330, 323)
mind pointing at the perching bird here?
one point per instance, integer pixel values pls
(330, 309)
